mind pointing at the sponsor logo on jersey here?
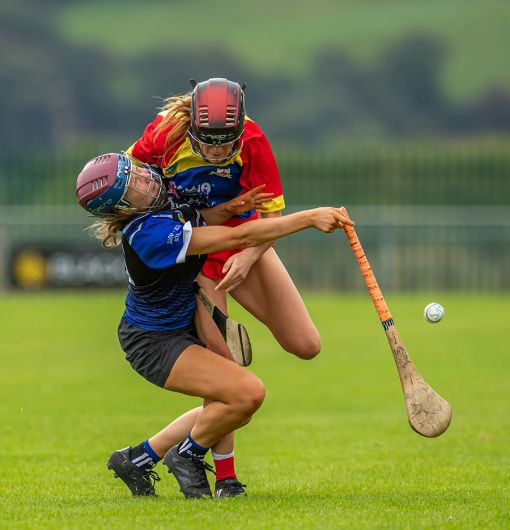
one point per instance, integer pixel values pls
(180, 216)
(203, 189)
(222, 172)
(173, 236)
(170, 170)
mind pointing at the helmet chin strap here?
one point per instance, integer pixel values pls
(216, 160)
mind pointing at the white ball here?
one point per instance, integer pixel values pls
(433, 313)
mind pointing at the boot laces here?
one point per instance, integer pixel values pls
(153, 475)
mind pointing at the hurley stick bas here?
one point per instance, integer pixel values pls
(235, 334)
(428, 413)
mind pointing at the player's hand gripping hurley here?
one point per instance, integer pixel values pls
(428, 413)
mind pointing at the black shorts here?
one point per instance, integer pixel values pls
(153, 353)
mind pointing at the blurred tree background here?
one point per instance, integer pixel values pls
(326, 74)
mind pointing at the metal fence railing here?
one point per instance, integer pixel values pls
(410, 248)
(458, 177)
(426, 222)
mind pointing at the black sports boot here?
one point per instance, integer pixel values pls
(190, 474)
(138, 480)
(229, 487)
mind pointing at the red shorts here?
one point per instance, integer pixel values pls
(214, 265)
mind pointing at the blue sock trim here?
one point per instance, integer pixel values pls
(150, 451)
(198, 448)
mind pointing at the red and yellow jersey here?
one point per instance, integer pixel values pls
(202, 184)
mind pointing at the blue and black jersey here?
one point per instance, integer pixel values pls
(160, 291)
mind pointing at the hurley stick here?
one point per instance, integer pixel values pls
(428, 413)
(235, 334)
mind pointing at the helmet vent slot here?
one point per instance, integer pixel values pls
(231, 115)
(203, 115)
(99, 183)
(101, 159)
(119, 183)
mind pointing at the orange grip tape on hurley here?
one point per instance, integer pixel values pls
(366, 271)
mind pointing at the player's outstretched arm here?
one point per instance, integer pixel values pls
(252, 199)
(207, 239)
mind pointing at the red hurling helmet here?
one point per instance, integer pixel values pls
(217, 115)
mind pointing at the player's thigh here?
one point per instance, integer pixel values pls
(270, 295)
(207, 330)
(201, 372)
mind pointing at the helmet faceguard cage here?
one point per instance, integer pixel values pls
(217, 116)
(115, 183)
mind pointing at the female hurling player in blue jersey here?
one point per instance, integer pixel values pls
(165, 245)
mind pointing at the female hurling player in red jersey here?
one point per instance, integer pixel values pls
(211, 151)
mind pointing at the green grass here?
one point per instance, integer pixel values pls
(284, 36)
(330, 447)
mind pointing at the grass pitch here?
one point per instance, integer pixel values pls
(330, 447)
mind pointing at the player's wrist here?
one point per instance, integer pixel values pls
(310, 218)
(253, 253)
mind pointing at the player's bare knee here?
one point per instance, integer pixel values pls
(306, 348)
(310, 352)
(245, 421)
(250, 397)
(254, 396)
(257, 395)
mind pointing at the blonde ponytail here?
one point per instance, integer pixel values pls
(109, 229)
(176, 121)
